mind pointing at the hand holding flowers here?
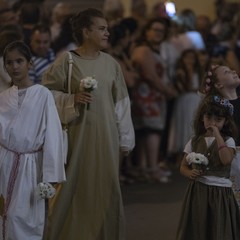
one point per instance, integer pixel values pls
(45, 190)
(88, 84)
(197, 161)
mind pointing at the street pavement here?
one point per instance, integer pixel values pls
(152, 210)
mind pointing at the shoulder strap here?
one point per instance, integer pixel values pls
(70, 62)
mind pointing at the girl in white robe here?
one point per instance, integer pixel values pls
(31, 148)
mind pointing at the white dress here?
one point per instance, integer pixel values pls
(181, 126)
(30, 152)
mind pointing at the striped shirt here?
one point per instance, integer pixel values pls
(40, 65)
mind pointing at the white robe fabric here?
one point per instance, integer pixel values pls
(33, 130)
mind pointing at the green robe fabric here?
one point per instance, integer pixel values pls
(89, 205)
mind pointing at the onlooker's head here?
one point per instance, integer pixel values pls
(60, 12)
(40, 40)
(8, 36)
(7, 16)
(30, 13)
(155, 31)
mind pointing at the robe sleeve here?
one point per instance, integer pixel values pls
(123, 113)
(55, 79)
(53, 150)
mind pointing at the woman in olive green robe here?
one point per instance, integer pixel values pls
(89, 205)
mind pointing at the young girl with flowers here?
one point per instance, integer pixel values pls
(210, 210)
(223, 81)
(31, 156)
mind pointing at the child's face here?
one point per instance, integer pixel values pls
(17, 66)
(213, 120)
(227, 77)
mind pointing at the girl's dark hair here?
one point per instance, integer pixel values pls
(208, 82)
(83, 19)
(117, 33)
(21, 47)
(211, 107)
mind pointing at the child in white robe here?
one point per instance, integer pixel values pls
(31, 149)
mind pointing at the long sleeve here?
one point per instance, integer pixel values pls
(125, 126)
(123, 112)
(53, 154)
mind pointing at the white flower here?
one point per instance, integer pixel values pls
(45, 190)
(196, 158)
(88, 83)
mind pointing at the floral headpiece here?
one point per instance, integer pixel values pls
(209, 78)
(225, 103)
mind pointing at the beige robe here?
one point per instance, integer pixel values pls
(89, 205)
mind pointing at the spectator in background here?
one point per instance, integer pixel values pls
(227, 43)
(64, 41)
(203, 26)
(43, 54)
(187, 82)
(120, 38)
(139, 12)
(187, 36)
(113, 11)
(29, 16)
(7, 15)
(133, 28)
(60, 12)
(149, 98)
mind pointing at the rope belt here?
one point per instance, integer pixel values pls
(11, 184)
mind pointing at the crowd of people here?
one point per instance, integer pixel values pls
(162, 86)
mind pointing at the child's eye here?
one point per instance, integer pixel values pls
(19, 60)
(219, 119)
(8, 63)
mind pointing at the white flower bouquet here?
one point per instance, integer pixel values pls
(197, 161)
(45, 190)
(88, 84)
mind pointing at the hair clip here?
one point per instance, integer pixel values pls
(225, 103)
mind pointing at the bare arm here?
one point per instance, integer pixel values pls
(226, 154)
(144, 58)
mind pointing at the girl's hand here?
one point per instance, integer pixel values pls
(214, 131)
(82, 97)
(194, 173)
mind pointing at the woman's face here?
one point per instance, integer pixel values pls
(17, 66)
(98, 34)
(227, 77)
(156, 33)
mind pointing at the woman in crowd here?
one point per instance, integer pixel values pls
(149, 98)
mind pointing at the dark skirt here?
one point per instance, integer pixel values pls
(209, 213)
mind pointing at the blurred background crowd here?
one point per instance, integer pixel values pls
(163, 54)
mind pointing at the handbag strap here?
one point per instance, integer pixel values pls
(70, 63)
